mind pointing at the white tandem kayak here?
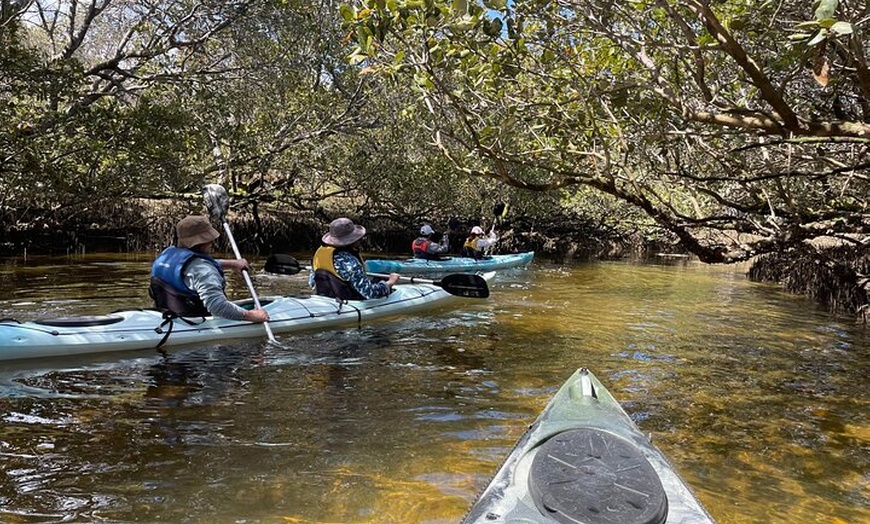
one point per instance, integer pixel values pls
(584, 461)
(147, 328)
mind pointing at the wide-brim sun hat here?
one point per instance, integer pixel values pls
(477, 230)
(195, 230)
(343, 232)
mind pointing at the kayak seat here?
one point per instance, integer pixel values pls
(590, 476)
(97, 320)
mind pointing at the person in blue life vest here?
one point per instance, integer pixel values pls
(426, 248)
(338, 270)
(477, 242)
(188, 281)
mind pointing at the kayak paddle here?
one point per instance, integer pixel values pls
(466, 285)
(499, 210)
(217, 201)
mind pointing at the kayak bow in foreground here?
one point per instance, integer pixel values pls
(584, 461)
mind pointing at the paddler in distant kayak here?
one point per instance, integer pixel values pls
(477, 242)
(188, 281)
(338, 269)
(425, 247)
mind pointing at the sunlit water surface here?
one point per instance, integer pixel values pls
(758, 398)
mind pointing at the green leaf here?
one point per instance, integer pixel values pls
(842, 28)
(496, 5)
(819, 38)
(811, 24)
(364, 38)
(422, 80)
(347, 12)
(463, 26)
(493, 28)
(826, 9)
(738, 23)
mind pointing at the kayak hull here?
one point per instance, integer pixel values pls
(146, 328)
(549, 479)
(450, 265)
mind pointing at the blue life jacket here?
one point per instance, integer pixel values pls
(167, 282)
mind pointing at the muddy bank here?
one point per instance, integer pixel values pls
(836, 277)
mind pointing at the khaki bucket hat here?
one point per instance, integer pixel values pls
(195, 230)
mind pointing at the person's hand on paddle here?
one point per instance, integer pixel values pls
(256, 315)
(394, 277)
(239, 264)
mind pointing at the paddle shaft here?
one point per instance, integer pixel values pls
(297, 267)
(497, 218)
(410, 280)
(247, 278)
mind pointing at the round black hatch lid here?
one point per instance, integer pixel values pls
(589, 476)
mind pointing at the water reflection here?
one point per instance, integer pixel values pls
(759, 400)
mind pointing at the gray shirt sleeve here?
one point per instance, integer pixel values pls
(205, 279)
(440, 247)
(490, 239)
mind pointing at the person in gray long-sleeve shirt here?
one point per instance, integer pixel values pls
(188, 281)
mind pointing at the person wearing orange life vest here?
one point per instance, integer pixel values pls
(338, 270)
(426, 248)
(476, 243)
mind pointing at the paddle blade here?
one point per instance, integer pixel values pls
(217, 201)
(465, 285)
(282, 264)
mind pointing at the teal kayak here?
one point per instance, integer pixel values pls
(449, 265)
(584, 461)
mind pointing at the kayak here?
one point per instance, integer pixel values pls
(584, 461)
(147, 328)
(449, 265)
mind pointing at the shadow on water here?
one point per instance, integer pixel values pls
(759, 400)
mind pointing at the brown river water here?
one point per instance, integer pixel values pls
(759, 399)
